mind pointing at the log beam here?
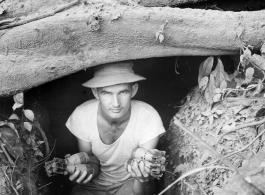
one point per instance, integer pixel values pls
(98, 33)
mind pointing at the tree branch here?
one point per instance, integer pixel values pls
(47, 49)
(221, 158)
(242, 149)
(240, 127)
(52, 13)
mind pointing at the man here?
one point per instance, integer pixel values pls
(110, 127)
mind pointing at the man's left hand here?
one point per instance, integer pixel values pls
(139, 170)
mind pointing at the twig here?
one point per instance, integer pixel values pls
(43, 186)
(11, 184)
(37, 125)
(242, 149)
(260, 70)
(189, 185)
(13, 170)
(244, 98)
(29, 177)
(5, 117)
(226, 162)
(7, 155)
(44, 159)
(190, 173)
(201, 188)
(14, 166)
(170, 172)
(240, 127)
(3, 22)
(51, 13)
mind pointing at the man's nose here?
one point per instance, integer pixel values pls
(116, 101)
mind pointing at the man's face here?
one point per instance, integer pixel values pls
(115, 100)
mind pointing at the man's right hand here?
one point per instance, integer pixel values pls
(81, 173)
(80, 177)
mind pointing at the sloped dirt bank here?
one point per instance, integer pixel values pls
(226, 112)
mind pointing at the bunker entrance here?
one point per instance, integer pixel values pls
(169, 80)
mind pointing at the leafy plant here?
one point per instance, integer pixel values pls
(23, 143)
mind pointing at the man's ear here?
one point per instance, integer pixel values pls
(95, 92)
(134, 89)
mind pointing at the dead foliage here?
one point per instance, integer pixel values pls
(226, 112)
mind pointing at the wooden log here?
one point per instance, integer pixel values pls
(98, 33)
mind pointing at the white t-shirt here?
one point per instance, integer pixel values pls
(144, 125)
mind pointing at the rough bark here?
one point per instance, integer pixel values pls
(97, 32)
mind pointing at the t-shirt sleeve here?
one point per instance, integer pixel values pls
(151, 128)
(76, 127)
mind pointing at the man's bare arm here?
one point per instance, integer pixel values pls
(138, 171)
(93, 162)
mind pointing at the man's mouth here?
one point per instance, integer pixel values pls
(115, 110)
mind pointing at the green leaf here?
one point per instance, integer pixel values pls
(3, 123)
(219, 112)
(38, 153)
(228, 127)
(14, 117)
(203, 83)
(19, 185)
(29, 114)
(28, 126)
(12, 126)
(40, 142)
(249, 74)
(230, 137)
(211, 119)
(247, 52)
(217, 97)
(205, 68)
(219, 73)
(161, 37)
(223, 85)
(210, 90)
(16, 105)
(19, 98)
(217, 90)
(206, 113)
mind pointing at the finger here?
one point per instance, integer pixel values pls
(74, 175)
(142, 169)
(136, 170)
(130, 171)
(88, 179)
(82, 177)
(66, 158)
(147, 167)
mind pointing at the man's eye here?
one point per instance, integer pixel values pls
(124, 92)
(105, 93)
